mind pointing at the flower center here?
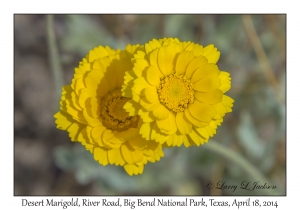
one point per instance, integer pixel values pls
(175, 92)
(113, 114)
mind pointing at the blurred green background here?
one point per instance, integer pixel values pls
(253, 50)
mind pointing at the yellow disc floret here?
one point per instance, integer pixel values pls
(175, 92)
(112, 113)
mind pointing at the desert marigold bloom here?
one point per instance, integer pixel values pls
(92, 112)
(178, 91)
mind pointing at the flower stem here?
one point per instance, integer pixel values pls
(244, 164)
(54, 60)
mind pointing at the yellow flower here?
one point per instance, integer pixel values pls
(178, 91)
(92, 112)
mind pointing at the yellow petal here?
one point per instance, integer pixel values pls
(210, 131)
(91, 56)
(173, 131)
(183, 125)
(86, 67)
(93, 79)
(161, 112)
(202, 111)
(148, 106)
(152, 45)
(150, 94)
(75, 100)
(122, 67)
(111, 77)
(131, 107)
(103, 52)
(129, 77)
(153, 75)
(140, 54)
(183, 60)
(171, 140)
(154, 131)
(135, 97)
(96, 65)
(63, 120)
(186, 141)
(96, 134)
(93, 122)
(87, 134)
(135, 169)
(207, 84)
(224, 74)
(141, 169)
(212, 97)
(180, 140)
(225, 81)
(208, 49)
(211, 53)
(140, 66)
(225, 87)
(138, 156)
(196, 138)
(213, 57)
(138, 143)
(228, 102)
(74, 130)
(79, 84)
(103, 88)
(166, 57)
(213, 124)
(104, 64)
(126, 135)
(126, 153)
(175, 139)
(129, 169)
(189, 46)
(220, 108)
(84, 94)
(198, 50)
(83, 137)
(104, 159)
(206, 70)
(193, 120)
(153, 57)
(140, 84)
(161, 137)
(93, 107)
(119, 160)
(112, 155)
(145, 130)
(203, 132)
(145, 115)
(167, 125)
(77, 114)
(126, 91)
(131, 155)
(79, 70)
(100, 154)
(195, 64)
(131, 49)
(110, 140)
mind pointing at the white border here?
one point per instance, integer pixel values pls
(8, 201)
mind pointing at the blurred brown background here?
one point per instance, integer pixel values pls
(253, 50)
